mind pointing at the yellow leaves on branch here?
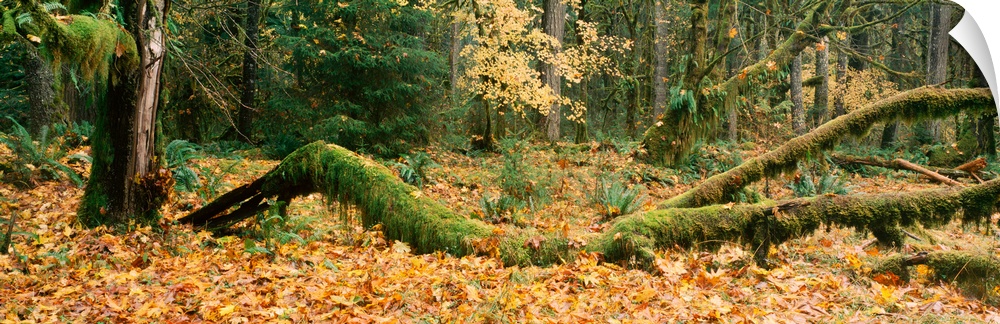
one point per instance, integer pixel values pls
(501, 60)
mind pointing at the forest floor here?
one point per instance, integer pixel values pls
(319, 265)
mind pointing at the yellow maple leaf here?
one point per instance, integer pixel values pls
(772, 66)
(226, 310)
(842, 35)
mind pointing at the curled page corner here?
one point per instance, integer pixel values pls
(970, 34)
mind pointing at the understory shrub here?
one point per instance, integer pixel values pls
(32, 160)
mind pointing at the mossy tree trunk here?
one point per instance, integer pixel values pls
(822, 90)
(123, 65)
(919, 104)
(127, 185)
(798, 107)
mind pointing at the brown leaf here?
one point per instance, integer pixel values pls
(119, 49)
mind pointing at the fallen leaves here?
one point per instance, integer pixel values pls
(344, 273)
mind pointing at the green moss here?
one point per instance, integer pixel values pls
(910, 106)
(403, 211)
(763, 224)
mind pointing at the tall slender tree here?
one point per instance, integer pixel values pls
(248, 105)
(555, 26)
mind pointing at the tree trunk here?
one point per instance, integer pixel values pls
(798, 108)
(41, 96)
(838, 101)
(897, 61)
(660, 72)
(125, 185)
(248, 106)
(937, 57)
(821, 102)
(453, 57)
(555, 25)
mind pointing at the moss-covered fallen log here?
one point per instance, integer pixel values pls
(380, 198)
(848, 160)
(977, 275)
(760, 225)
(918, 104)
(407, 215)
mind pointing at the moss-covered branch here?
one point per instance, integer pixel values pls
(913, 105)
(381, 198)
(775, 222)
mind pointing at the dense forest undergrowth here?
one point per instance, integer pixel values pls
(320, 264)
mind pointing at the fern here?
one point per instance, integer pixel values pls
(53, 6)
(31, 160)
(615, 199)
(177, 154)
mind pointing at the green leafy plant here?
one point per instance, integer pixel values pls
(413, 169)
(273, 230)
(804, 184)
(497, 210)
(178, 154)
(614, 199)
(73, 135)
(33, 160)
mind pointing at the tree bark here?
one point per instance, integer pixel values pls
(937, 57)
(660, 72)
(41, 96)
(798, 108)
(555, 25)
(125, 184)
(821, 102)
(248, 105)
(838, 102)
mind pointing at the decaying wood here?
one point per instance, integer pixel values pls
(973, 167)
(931, 174)
(957, 173)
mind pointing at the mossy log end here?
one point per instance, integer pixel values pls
(918, 104)
(977, 275)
